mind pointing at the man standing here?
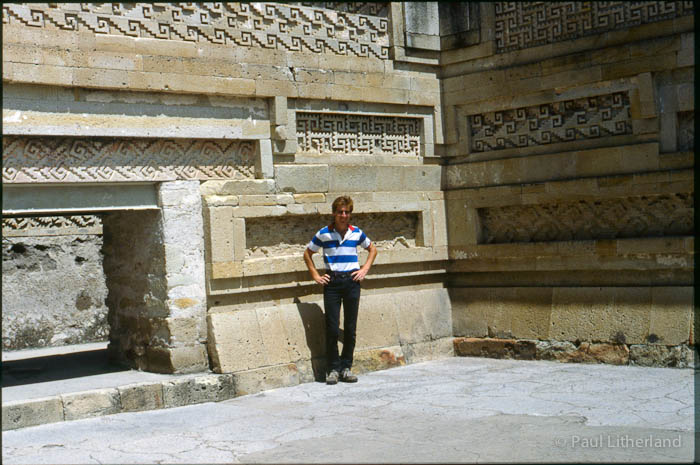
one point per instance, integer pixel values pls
(341, 284)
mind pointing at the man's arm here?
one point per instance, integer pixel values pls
(360, 274)
(323, 280)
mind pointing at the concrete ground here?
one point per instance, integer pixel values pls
(451, 410)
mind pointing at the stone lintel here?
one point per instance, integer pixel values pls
(55, 200)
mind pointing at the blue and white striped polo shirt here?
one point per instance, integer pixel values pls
(340, 253)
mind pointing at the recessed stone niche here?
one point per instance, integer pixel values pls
(289, 235)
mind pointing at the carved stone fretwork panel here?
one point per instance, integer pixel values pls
(74, 159)
(643, 216)
(584, 118)
(51, 225)
(363, 8)
(520, 25)
(358, 134)
(288, 27)
(289, 235)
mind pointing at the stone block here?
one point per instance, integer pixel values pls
(428, 350)
(90, 404)
(226, 270)
(654, 355)
(422, 178)
(275, 344)
(671, 316)
(470, 307)
(148, 46)
(634, 307)
(92, 77)
(41, 74)
(494, 348)
(304, 324)
(439, 224)
(141, 397)
(188, 359)
(302, 179)
(261, 379)
(314, 90)
(270, 88)
(182, 330)
(600, 314)
(123, 61)
(554, 350)
(24, 413)
(263, 160)
(310, 198)
(353, 178)
(258, 211)
(376, 321)
(235, 341)
(530, 311)
(242, 187)
(221, 232)
(114, 43)
(198, 389)
(423, 316)
(239, 238)
(378, 359)
(686, 55)
(614, 354)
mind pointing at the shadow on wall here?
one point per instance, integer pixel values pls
(314, 322)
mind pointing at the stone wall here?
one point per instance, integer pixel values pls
(569, 181)
(53, 284)
(154, 264)
(488, 154)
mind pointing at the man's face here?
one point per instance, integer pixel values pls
(342, 217)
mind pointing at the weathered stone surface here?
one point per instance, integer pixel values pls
(260, 379)
(378, 359)
(184, 359)
(198, 389)
(619, 315)
(615, 354)
(63, 273)
(141, 397)
(654, 355)
(428, 350)
(235, 341)
(554, 350)
(503, 312)
(494, 348)
(242, 187)
(309, 198)
(671, 315)
(20, 414)
(302, 179)
(425, 316)
(90, 404)
(376, 322)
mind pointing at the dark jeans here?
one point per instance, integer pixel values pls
(341, 289)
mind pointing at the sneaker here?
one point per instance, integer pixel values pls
(332, 377)
(346, 376)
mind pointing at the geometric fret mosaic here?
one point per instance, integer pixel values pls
(584, 118)
(642, 216)
(520, 25)
(95, 159)
(358, 29)
(349, 133)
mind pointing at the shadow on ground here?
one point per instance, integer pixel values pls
(57, 367)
